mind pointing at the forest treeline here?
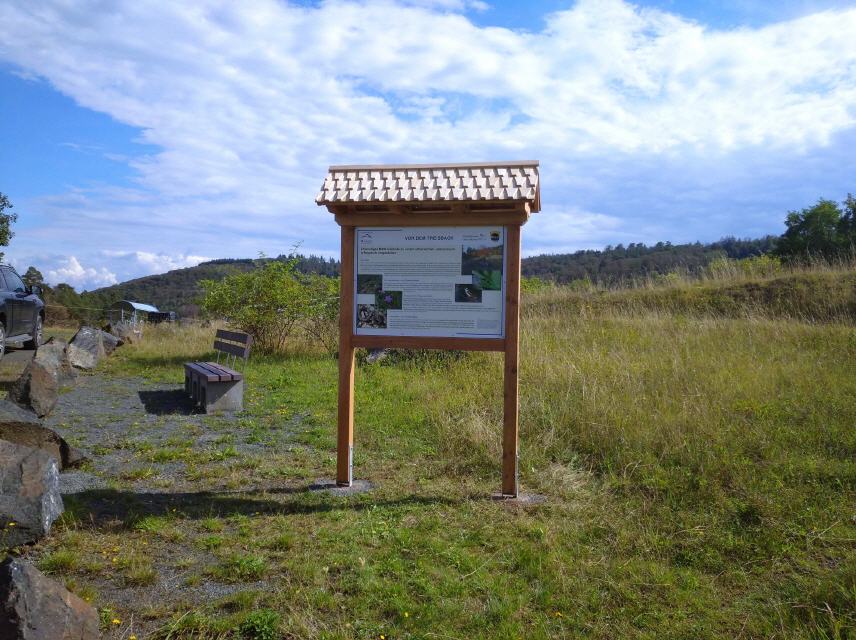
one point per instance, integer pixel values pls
(825, 231)
(619, 264)
(179, 290)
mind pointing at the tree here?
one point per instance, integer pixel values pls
(814, 232)
(6, 220)
(266, 302)
(33, 277)
(847, 225)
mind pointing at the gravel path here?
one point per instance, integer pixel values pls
(145, 435)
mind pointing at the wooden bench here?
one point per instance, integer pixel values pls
(215, 386)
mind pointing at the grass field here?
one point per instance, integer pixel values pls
(699, 464)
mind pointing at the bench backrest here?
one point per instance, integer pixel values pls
(234, 344)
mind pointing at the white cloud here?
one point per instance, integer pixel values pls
(70, 271)
(449, 5)
(571, 230)
(249, 102)
(148, 262)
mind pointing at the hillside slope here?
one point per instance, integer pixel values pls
(179, 289)
(821, 295)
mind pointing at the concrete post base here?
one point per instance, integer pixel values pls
(221, 396)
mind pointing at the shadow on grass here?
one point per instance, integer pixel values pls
(166, 402)
(109, 507)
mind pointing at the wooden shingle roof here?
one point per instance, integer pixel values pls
(507, 182)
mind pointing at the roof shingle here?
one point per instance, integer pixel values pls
(506, 181)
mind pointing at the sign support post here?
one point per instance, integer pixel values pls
(465, 295)
(345, 427)
(512, 353)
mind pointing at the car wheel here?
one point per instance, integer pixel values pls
(38, 335)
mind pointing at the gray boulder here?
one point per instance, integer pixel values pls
(110, 342)
(86, 348)
(34, 607)
(55, 353)
(124, 332)
(38, 387)
(22, 427)
(30, 499)
(376, 355)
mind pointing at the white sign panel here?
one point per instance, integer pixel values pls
(430, 281)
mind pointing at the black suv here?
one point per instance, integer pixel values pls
(22, 311)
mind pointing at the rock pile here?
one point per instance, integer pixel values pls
(38, 387)
(30, 500)
(34, 607)
(31, 455)
(86, 348)
(23, 427)
(124, 332)
(90, 345)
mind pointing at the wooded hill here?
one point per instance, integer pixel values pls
(179, 290)
(620, 264)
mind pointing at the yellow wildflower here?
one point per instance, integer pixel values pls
(116, 621)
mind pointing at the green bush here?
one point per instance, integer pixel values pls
(762, 266)
(271, 302)
(261, 625)
(533, 284)
(321, 321)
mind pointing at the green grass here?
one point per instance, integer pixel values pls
(240, 568)
(699, 468)
(62, 561)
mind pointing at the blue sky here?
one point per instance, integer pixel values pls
(140, 138)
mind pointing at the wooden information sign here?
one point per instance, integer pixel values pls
(431, 260)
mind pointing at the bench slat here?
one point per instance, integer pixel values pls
(234, 336)
(220, 376)
(232, 349)
(226, 374)
(196, 368)
(213, 372)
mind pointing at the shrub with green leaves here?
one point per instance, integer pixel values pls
(321, 322)
(270, 302)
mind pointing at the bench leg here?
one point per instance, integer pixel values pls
(187, 385)
(222, 396)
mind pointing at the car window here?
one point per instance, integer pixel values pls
(13, 282)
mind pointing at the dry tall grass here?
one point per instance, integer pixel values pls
(695, 439)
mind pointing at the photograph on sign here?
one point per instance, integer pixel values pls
(430, 281)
